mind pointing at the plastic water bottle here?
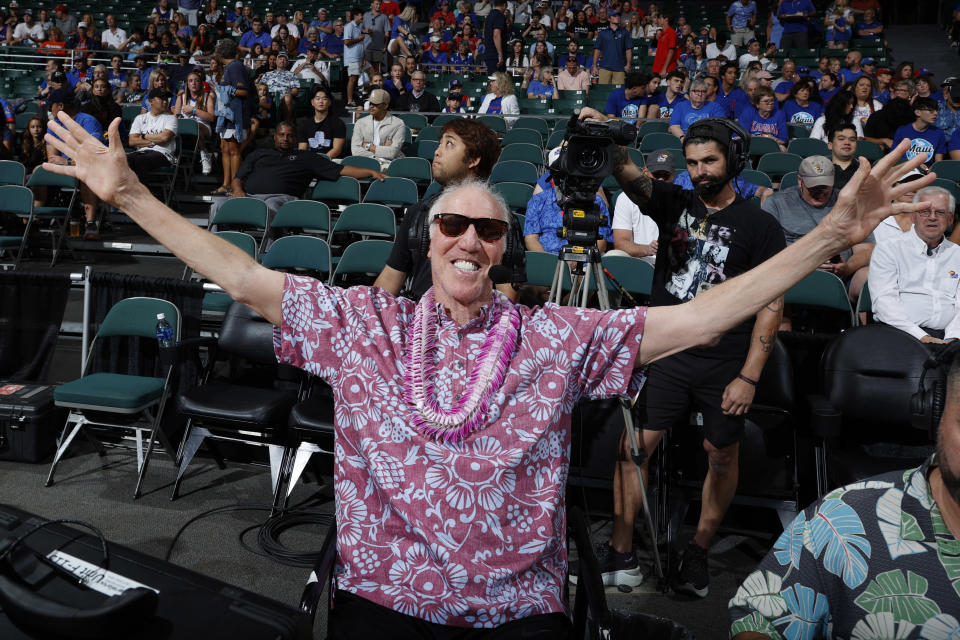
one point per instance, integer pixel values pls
(164, 331)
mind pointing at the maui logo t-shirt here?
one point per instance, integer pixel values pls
(803, 118)
(919, 146)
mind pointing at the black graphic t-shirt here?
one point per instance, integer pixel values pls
(700, 248)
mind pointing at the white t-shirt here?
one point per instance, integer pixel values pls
(146, 123)
(713, 51)
(34, 33)
(627, 215)
(818, 132)
(112, 39)
(292, 29)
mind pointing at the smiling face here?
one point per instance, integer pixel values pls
(460, 266)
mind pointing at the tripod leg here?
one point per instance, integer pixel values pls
(635, 453)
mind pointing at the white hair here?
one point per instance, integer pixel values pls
(438, 205)
(937, 191)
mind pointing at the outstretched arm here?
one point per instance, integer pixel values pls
(104, 171)
(869, 197)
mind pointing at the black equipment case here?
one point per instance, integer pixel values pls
(187, 606)
(29, 421)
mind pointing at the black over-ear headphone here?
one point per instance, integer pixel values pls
(514, 252)
(927, 404)
(114, 617)
(729, 133)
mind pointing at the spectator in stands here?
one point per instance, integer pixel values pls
(843, 149)
(113, 36)
(881, 554)
(829, 86)
(283, 173)
(33, 149)
(517, 61)
(543, 218)
(731, 95)
(158, 80)
(81, 41)
(753, 54)
(80, 77)
(882, 85)
(869, 28)
(948, 115)
(311, 39)
(541, 37)
(455, 90)
(838, 111)
(926, 139)
(580, 28)
(907, 283)
(397, 84)
(541, 86)
(212, 15)
(153, 135)
(741, 17)
(612, 52)
(283, 21)
(434, 59)
(402, 38)
(495, 36)
(65, 100)
(926, 87)
(379, 135)
(667, 54)
(696, 62)
(764, 119)
(283, 81)
(353, 47)
(28, 33)
(720, 47)
(333, 46)
(882, 126)
(500, 99)
(573, 77)
(904, 71)
(573, 49)
(693, 109)
(852, 70)
(64, 20)
(839, 36)
(869, 68)
(799, 108)
(194, 102)
(132, 93)
(418, 98)
(468, 150)
(235, 92)
(310, 67)
(795, 15)
(256, 35)
(664, 103)
(902, 223)
(636, 234)
(452, 104)
(102, 106)
(785, 84)
(764, 79)
(800, 208)
(630, 102)
(163, 11)
(376, 26)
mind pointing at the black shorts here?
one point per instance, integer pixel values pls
(685, 382)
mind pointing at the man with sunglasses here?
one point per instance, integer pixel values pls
(913, 279)
(799, 209)
(468, 150)
(453, 414)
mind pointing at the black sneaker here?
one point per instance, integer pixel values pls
(92, 231)
(615, 568)
(692, 577)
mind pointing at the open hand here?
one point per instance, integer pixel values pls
(103, 169)
(872, 193)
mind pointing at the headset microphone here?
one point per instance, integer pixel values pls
(500, 274)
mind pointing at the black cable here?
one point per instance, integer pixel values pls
(269, 537)
(24, 536)
(210, 512)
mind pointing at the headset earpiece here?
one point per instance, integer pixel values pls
(926, 404)
(737, 140)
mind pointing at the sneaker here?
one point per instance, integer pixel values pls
(92, 231)
(206, 164)
(692, 577)
(616, 568)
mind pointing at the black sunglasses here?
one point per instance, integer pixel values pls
(454, 225)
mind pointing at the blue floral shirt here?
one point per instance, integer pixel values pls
(543, 218)
(870, 560)
(948, 120)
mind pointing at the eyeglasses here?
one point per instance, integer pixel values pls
(454, 225)
(936, 213)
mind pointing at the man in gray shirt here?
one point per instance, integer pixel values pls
(799, 209)
(376, 26)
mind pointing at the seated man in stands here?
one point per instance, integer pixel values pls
(843, 149)
(925, 138)
(544, 218)
(379, 135)
(153, 135)
(635, 234)
(913, 279)
(573, 77)
(283, 173)
(870, 28)
(869, 560)
(418, 98)
(631, 101)
(283, 81)
(800, 208)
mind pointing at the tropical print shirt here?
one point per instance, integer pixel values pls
(872, 560)
(467, 533)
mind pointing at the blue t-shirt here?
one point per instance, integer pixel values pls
(304, 45)
(433, 60)
(540, 90)
(544, 218)
(737, 100)
(613, 47)
(930, 141)
(250, 38)
(667, 106)
(773, 127)
(948, 120)
(783, 88)
(868, 25)
(333, 44)
(826, 95)
(723, 104)
(393, 90)
(740, 15)
(397, 23)
(954, 144)
(495, 105)
(839, 35)
(847, 76)
(746, 189)
(805, 116)
(685, 115)
(619, 106)
(89, 124)
(883, 97)
(795, 6)
(8, 113)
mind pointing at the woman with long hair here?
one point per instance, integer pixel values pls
(838, 110)
(33, 153)
(517, 61)
(402, 39)
(195, 103)
(256, 53)
(151, 38)
(212, 15)
(635, 27)
(542, 86)
(102, 106)
(156, 80)
(234, 130)
(697, 61)
(203, 42)
(926, 88)
(579, 28)
(500, 98)
(865, 105)
(904, 71)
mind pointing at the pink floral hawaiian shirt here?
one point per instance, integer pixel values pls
(470, 533)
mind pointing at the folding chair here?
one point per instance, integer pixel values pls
(366, 219)
(521, 151)
(189, 132)
(301, 217)
(655, 141)
(12, 172)
(243, 214)
(136, 402)
(297, 254)
(164, 178)
(15, 201)
(517, 194)
(344, 191)
(393, 192)
(514, 171)
(777, 164)
(58, 217)
(362, 258)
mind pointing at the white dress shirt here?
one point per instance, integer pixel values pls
(888, 229)
(911, 289)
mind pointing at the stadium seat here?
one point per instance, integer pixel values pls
(526, 136)
(517, 194)
(555, 139)
(758, 178)
(12, 172)
(798, 131)
(344, 191)
(869, 150)
(445, 118)
(496, 123)
(242, 214)
(822, 289)
(417, 169)
(363, 258)
(15, 201)
(526, 152)
(514, 171)
(118, 401)
(414, 121)
(217, 302)
(537, 124)
(541, 268)
(947, 170)
(433, 189)
(760, 146)
(656, 141)
(806, 147)
(366, 219)
(301, 217)
(634, 274)
(429, 133)
(777, 164)
(393, 192)
(363, 162)
(652, 126)
(300, 254)
(788, 180)
(426, 149)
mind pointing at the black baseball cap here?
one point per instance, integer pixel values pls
(62, 96)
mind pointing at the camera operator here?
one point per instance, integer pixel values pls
(707, 236)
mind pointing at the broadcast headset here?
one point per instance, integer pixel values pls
(729, 133)
(927, 404)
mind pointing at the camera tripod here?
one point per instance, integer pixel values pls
(587, 265)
